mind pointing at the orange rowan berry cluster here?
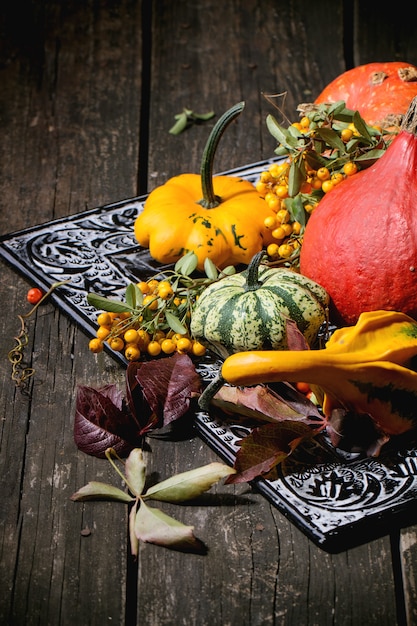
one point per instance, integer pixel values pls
(145, 331)
(316, 165)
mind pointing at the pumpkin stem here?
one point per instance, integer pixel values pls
(409, 123)
(252, 282)
(209, 199)
(209, 392)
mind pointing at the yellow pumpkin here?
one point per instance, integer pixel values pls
(220, 218)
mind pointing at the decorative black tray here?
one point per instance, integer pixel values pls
(337, 499)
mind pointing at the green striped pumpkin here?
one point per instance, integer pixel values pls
(249, 310)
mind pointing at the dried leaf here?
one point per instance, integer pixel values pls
(95, 490)
(168, 386)
(102, 421)
(295, 338)
(263, 404)
(135, 469)
(189, 485)
(136, 401)
(134, 541)
(154, 526)
(267, 446)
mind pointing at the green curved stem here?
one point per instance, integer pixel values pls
(252, 281)
(209, 199)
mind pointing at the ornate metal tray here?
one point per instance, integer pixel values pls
(337, 499)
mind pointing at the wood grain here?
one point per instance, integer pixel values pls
(89, 91)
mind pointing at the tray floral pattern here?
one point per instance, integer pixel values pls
(337, 499)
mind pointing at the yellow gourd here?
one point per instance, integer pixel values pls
(366, 368)
(220, 217)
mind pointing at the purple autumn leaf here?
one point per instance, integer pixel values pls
(102, 421)
(169, 385)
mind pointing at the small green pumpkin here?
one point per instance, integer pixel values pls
(249, 310)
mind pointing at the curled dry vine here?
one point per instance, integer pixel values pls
(21, 372)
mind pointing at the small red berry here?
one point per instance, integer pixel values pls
(34, 295)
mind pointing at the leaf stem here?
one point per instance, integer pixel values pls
(112, 452)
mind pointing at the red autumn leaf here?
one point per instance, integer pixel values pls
(267, 446)
(265, 404)
(103, 421)
(295, 338)
(137, 403)
(168, 385)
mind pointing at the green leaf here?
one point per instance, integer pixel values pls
(112, 306)
(296, 209)
(277, 131)
(336, 108)
(361, 126)
(339, 112)
(228, 271)
(187, 264)
(180, 124)
(95, 490)
(189, 485)
(154, 526)
(135, 469)
(174, 323)
(315, 160)
(281, 151)
(210, 269)
(134, 296)
(295, 178)
(331, 137)
(370, 155)
(283, 136)
(204, 116)
(294, 132)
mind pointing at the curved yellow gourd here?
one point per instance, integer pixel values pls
(365, 368)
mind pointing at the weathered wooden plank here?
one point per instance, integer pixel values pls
(260, 568)
(70, 104)
(207, 56)
(70, 118)
(381, 37)
(408, 552)
(393, 39)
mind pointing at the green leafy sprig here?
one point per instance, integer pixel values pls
(168, 316)
(187, 118)
(322, 146)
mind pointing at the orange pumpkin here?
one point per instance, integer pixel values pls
(360, 243)
(381, 92)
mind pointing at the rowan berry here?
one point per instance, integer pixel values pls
(34, 295)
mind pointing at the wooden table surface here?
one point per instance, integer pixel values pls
(88, 93)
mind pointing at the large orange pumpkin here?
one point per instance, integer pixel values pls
(381, 92)
(360, 243)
